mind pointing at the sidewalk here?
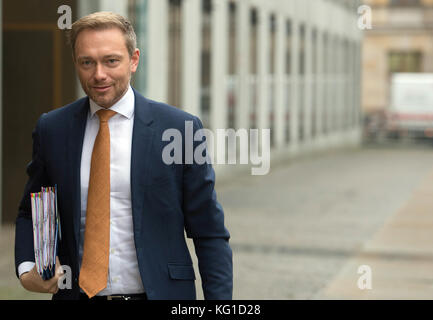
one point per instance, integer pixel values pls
(400, 255)
(10, 288)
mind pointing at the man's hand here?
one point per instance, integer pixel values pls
(32, 281)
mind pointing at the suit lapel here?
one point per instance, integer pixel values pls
(75, 145)
(142, 138)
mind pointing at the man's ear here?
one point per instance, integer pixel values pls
(135, 59)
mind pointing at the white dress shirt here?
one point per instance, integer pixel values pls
(123, 273)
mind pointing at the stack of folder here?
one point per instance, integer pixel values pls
(46, 230)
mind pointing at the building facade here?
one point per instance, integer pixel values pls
(291, 66)
(400, 40)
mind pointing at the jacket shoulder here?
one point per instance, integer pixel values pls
(161, 110)
(65, 112)
(169, 110)
(168, 116)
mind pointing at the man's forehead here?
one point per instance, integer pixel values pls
(110, 41)
(112, 33)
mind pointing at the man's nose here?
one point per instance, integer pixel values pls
(100, 73)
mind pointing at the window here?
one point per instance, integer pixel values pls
(272, 51)
(206, 59)
(314, 72)
(232, 57)
(405, 61)
(301, 92)
(175, 52)
(253, 88)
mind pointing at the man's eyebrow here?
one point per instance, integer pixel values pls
(84, 58)
(108, 56)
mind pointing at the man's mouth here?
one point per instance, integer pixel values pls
(101, 88)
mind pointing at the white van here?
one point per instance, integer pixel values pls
(411, 110)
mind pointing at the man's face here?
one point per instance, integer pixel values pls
(104, 65)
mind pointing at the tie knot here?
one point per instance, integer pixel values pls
(105, 115)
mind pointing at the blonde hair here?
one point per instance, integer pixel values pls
(102, 21)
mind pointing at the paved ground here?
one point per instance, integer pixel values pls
(294, 230)
(302, 231)
(399, 255)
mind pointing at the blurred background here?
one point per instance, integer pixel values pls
(346, 87)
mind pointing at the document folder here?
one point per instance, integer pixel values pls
(46, 230)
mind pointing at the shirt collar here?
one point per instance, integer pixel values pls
(125, 106)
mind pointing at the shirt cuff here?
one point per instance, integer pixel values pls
(25, 267)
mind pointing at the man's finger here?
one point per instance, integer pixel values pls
(53, 285)
(54, 289)
(58, 266)
(59, 272)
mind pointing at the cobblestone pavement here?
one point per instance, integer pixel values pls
(298, 232)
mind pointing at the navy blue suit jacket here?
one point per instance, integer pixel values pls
(166, 201)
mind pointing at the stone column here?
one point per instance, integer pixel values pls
(157, 77)
(263, 68)
(243, 59)
(279, 112)
(140, 77)
(218, 112)
(320, 102)
(294, 104)
(191, 39)
(308, 79)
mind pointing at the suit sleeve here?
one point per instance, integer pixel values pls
(36, 179)
(204, 223)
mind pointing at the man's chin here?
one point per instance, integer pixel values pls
(104, 104)
(102, 101)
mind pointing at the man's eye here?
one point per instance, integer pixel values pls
(112, 61)
(86, 62)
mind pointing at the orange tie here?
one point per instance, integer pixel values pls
(94, 266)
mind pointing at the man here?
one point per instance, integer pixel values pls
(123, 211)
